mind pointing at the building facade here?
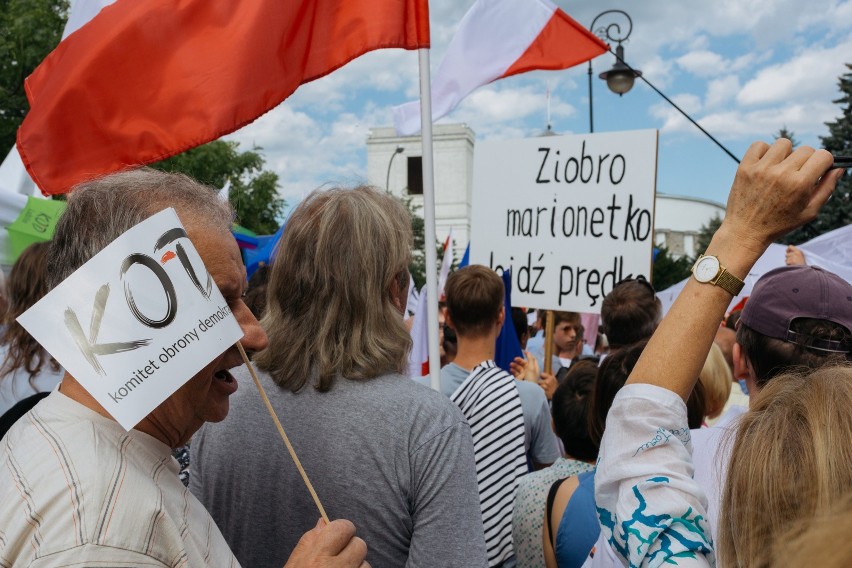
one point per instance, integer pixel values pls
(395, 164)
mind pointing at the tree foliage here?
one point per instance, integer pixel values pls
(838, 211)
(253, 192)
(29, 30)
(788, 134)
(417, 266)
(705, 235)
(667, 270)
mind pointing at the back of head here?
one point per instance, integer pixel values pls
(819, 541)
(613, 374)
(519, 322)
(474, 299)
(255, 296)
(101, 210)
(797, 316)
(341, 268)
(27, 285)
(630, 312)
(791, 460)
(570, 410)
(716, 379)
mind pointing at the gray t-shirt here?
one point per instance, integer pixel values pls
(391, 456)
(539, 440)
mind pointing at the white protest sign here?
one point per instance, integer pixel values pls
(137, 320)
(571, 216)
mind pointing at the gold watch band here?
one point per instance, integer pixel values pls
(729, 283)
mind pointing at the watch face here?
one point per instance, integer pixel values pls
(706, 269)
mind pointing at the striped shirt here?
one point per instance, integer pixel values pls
(489, 400)
(76, 489)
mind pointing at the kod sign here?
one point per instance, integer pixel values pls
(138, 320)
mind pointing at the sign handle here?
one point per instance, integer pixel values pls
(283, 434)
(548, 343)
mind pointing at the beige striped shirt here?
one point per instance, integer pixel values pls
(77, 490)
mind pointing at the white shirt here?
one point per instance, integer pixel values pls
(76, 489)
(711, 453)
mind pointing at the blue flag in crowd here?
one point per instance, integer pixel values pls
(262, 255)
(508, 345)
(466, 257)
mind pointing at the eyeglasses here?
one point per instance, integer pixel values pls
(640, 279)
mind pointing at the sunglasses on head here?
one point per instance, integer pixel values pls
(641, 279)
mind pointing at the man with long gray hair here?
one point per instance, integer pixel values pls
(391, 455)
(75, 487)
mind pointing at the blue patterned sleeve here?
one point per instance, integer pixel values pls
(651, 510)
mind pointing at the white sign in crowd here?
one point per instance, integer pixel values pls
(571, 216)
(136, 321)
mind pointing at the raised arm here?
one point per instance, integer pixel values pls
(774, 192)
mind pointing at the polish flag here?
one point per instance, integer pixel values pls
(143, 81)
(446, 264)
(498, 39)
(418, 359)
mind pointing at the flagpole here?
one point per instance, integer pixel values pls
(429, 218)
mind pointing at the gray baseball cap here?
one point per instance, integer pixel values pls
(790, 292)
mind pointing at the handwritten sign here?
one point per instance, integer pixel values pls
(570, 215)
(137, 320)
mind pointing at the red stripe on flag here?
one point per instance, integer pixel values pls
(143, 81)
(561, 44)
(424, 369)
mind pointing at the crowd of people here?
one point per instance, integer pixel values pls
(694, 439)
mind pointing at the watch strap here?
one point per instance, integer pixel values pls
(728, 282)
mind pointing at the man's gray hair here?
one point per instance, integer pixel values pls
(99, 211)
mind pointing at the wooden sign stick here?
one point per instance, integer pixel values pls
(283, 434)
(548, 343)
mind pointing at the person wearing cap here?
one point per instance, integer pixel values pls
(795, 465)
(797, 316)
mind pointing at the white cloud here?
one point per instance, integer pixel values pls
(702, 63)
(722, 90)
(811, 74)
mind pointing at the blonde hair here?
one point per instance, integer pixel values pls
(716, 378)
(821, 541)
(330, 309)
(791, 461)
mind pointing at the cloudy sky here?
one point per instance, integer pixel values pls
(742, 68)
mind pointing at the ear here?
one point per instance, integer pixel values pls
(742, 369)
(501, 316)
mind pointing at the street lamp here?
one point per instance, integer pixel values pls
(399, 150)
(620, 78)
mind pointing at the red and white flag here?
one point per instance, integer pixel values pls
(143, 81)
(446, 264)
(418, 359)
(498, 39)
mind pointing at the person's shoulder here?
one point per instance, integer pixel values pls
(532, 395)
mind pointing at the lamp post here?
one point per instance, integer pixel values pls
(398, 150)
(620, 78)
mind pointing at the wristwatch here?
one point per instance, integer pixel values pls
(708, 270)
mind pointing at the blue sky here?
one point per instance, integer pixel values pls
(742, 68)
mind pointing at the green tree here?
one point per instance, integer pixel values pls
(253, 192)
(417, 266)
(838, 211)
(702, 239)
(668, 270)
(29, 30)
(788, 134)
